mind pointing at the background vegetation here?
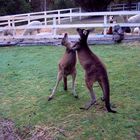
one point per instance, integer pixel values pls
(8, 7)
(28, 74)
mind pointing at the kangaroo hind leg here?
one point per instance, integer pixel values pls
(65, 83)
(89, 85)
(101, 85)
(59, 78)
(73, 85)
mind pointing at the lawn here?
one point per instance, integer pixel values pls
(28, 74)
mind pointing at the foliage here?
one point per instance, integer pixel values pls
(28, 75)
(126, 1)
(62, 4)
(8, 7)
(99, 5)
(41, 5)
(36, 5)
(93, 5)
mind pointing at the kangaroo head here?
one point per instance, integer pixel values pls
(64, 39)
(83, 33)
(65, 42)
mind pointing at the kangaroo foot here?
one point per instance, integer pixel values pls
(76, 96)
(111, 111)
(103, 99)
(65, 88)
(88, 105)
(50, 98)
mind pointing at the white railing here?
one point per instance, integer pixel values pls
(54, 25)
(124, 6)
(8, 20)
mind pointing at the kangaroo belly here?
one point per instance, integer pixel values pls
(94, 70)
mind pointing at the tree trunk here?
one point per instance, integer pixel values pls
(129, 5)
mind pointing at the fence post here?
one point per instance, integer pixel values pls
(138, 6)
(70, 15)
(59, 22)
(9, 23)
(123, 5)
(13, 27)
(110, 8)
(105, 23)
(45, 17)
(54, 27)
(80, 11)
(28, 18)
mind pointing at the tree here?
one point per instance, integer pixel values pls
(100, 5)
(8, 7)
(41, 5)
(93, 5)
(62, 4)
(126, 1)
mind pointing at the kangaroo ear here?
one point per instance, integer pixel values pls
(64, 39)
(78, 29)
(66, 35)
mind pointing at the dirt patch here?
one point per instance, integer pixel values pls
(8, 131)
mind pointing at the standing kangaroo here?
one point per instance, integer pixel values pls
(94, 70)
(67, 66)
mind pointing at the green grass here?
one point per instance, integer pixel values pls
(27, 75)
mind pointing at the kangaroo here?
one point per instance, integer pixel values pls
(66, 66)
(94, 70)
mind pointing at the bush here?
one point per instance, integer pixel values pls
(9, 7)
(93, 5)
(62, 4)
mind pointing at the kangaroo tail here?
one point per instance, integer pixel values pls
(65, 83)
(106, 92)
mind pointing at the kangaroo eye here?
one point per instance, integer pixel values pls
(84, 32)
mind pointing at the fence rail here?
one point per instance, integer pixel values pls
(124, 7)
(35, 16)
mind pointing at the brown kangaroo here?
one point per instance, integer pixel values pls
(94, 70)
(66, 66)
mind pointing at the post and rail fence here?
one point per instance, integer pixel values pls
(124, 7)
(54, 21)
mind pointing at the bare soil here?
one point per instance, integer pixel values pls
(8, 131)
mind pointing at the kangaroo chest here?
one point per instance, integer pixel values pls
(86, 59)
(67, 63)
(91, 64)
